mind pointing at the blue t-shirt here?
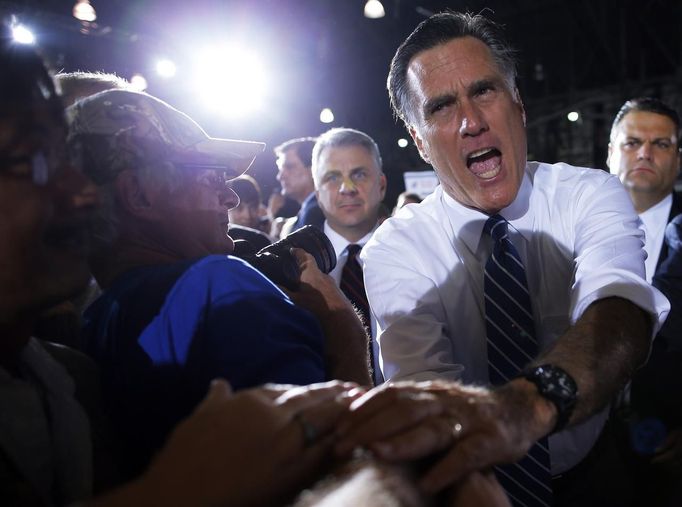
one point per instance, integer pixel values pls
(161, 333)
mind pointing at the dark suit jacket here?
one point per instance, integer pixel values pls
(657, 387)
(310, 214)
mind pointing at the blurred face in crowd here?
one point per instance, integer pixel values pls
(45, 210)
(247, 213)
(350, 188)
(191, 216)
(295, 178)
(644, 154)
(468, 123)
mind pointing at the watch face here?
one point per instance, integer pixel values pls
(557, 386)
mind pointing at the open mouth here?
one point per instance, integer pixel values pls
(485, 163)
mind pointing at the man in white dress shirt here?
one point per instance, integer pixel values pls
(350, 185)
(574, 232)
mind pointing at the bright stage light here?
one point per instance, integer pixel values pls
(326, 115)
(230, 81)
(402, 142)
(374, 9)
(138, 82)
(83, 11)
(573, 116)
(165, 68)
(22, 35)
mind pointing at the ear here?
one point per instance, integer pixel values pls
(608, 158)
(382, 185)
(517, 99)
(419, 143)
(133, 195)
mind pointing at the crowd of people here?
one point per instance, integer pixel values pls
(490, 345)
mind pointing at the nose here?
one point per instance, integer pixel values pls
(279, 176)
(348, 187)
(472, 122)
(644, 151)
(228, 198)
(74, 191)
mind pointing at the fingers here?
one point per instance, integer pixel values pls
(382, 415)
(476, 451)
(432, 435)
(218, 392)
(302, 257)
(298, 398)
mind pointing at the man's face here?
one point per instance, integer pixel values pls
(193, 216)
(643, 154)
(350, 188)
(44, 225)
(468, 123)
(295, 178)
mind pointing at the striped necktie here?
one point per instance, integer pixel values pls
(353, 286)
(511, 342)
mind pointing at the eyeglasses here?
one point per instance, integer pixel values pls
(34, 166)
(208, 175)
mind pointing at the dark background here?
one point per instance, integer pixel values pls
(583, 55)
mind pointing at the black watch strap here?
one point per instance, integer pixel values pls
(557, 386)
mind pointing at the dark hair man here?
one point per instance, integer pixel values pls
(644, 152)
(524, 276)
(294, 163)
(176, 310)
(350, 185)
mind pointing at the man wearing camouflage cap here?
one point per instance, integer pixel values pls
(176, 311)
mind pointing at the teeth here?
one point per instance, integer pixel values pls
(490, 174)
(480, 152)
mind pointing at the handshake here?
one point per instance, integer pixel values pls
(264, 446)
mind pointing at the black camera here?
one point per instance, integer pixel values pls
(279, 265)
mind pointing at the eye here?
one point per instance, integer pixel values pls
(359, 176)
(663, 145)
(331, 178)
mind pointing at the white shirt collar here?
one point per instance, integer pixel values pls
(340, 243)
(657, 216)
(470, 222)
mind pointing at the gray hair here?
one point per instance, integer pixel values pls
(338, 137)
(440, 29)
(74, 86)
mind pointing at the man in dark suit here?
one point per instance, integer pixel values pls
(644, 151)
(294, 162)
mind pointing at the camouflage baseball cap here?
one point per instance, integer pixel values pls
(121, 129)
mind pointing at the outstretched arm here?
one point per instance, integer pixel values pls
(347, 342)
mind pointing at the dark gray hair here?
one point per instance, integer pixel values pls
(302, 146)
(648, 105)
(338, 137)
(439, 29)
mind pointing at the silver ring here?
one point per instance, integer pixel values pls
(310, 433)
(456, 430)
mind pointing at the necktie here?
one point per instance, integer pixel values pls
(353, 286)
(511, 343)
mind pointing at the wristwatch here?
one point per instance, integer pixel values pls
(557, 386)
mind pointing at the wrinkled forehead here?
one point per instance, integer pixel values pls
(646, 123)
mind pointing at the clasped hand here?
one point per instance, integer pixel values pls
(470, 428)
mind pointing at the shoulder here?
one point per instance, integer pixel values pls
(561, 184)
(565, 175)
(224, 273)
(412, 223)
